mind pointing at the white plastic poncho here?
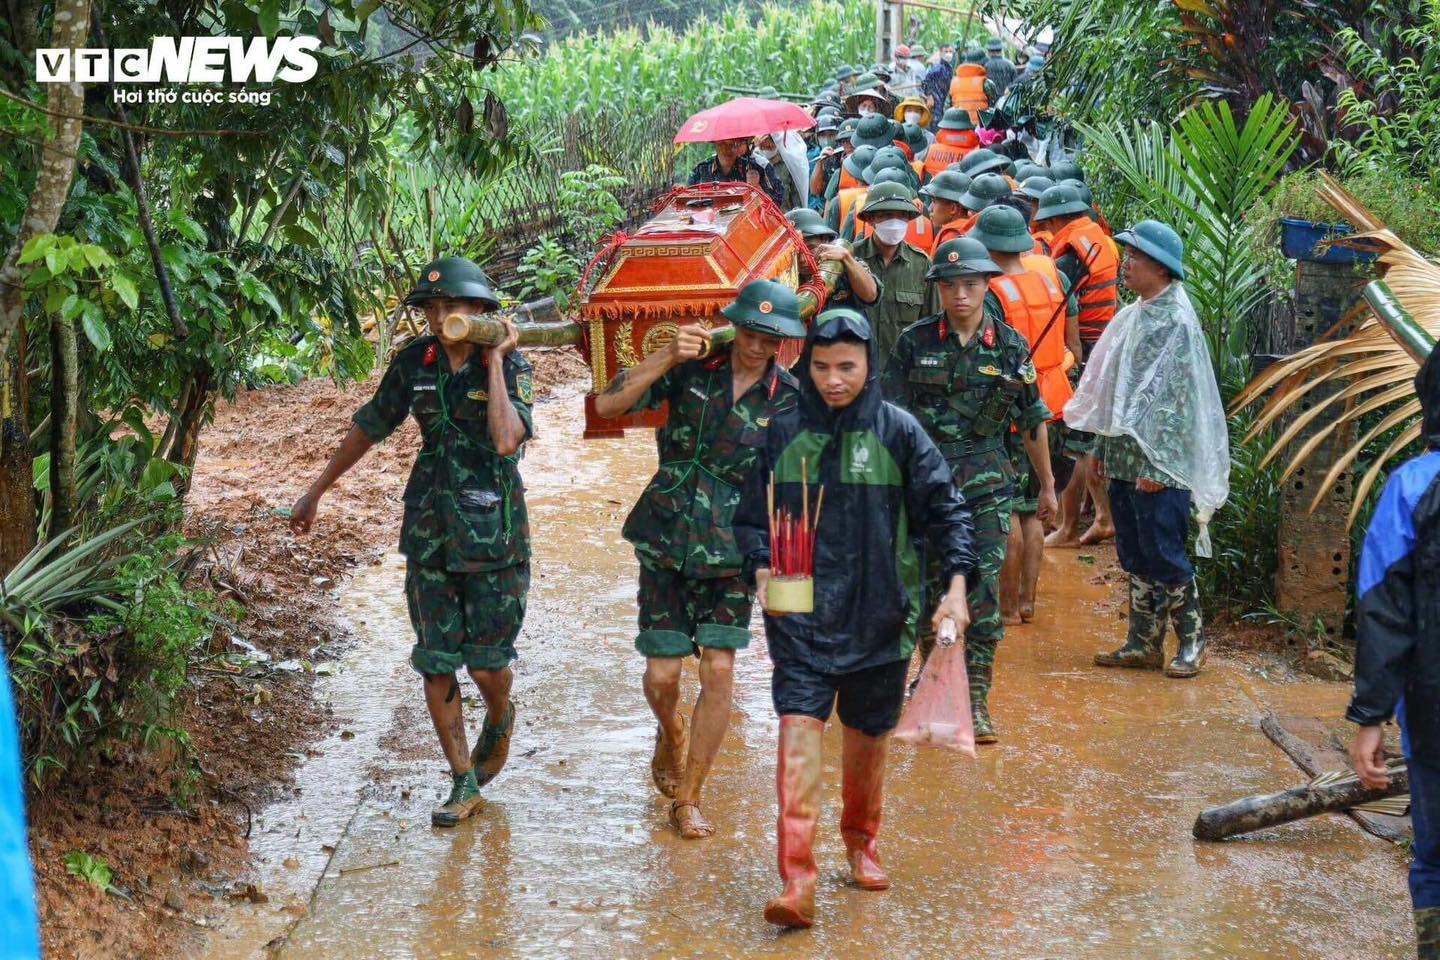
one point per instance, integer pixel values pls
(1150, 377)
(794, 155)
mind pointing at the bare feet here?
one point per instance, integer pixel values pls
(1062, 537)
(1096, 534)
(667, 764)
(686, 818)
(1012, 619)
(1027, 612)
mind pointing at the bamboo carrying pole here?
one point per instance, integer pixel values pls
(1297, 803)
(1397, 321)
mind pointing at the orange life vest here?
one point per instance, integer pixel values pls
(967, 90)
(850, 201)
(950, 146)
(1097, 289)
(1031, 300)
(846, 180)
(955, 228)
(1044, 242)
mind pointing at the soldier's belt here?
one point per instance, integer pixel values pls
(964, 448)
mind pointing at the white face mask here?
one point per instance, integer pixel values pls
(770, 154)
(913, 116)
(865, 109)
(891, 232)
(947, 57)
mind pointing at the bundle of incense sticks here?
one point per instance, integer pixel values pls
(792, 538)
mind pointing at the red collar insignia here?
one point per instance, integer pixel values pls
(432, 352)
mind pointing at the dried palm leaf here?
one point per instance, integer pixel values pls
(1378, 359)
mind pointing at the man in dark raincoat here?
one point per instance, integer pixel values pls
(1397, 655)
(886, 485)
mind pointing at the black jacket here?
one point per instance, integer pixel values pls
(1398, 611)
(886, 485)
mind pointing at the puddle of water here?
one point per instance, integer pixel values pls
(1070, 839)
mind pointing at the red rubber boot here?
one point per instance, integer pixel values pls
(863, 793)
(797, 780)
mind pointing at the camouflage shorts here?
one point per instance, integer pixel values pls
(679, 614)
(1027, 485)
(469, 619)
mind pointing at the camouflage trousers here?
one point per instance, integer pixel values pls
(465, 619)
(680, 614)
(991, 518)
(1027, 484)
(1153, 606)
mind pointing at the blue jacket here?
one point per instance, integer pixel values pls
(1398, 611)
(19, 927)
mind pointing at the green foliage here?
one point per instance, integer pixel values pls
(1397, 111)
(549, 270)
(588, 204)
(93, 870)
(1245, 532)
(1202, 177)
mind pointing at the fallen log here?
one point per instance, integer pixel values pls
(1297, 803)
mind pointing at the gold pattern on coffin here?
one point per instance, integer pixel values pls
(658, 337)
(625, 345)
(597, 355)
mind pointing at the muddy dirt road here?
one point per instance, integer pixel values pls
(1070, 839)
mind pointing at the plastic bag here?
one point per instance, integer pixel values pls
(938, 714)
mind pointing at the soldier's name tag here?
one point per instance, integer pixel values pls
(989, 371)
(699, 391)
(424, 386)
(478, 395)
(928, 361)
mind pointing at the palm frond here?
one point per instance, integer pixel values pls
(1376, 366)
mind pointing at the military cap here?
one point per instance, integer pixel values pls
(973, 54)
(874, 131)
(956, 118)
(846, 130)
(947, 185)
(914, 136)
(766, 307)
(1002, 229)
(1081, 188)
(1026, 169)
(1033, 187)
(453, 278)
(1066, 170)
(845, 73)
(983, 160)
(881, 71)
(1034, 64)
(810, 223)
(890, 175)
(891, 198)
(918, 52)
(1060, 200)
(858, 161)
(984, 190)
(961, 257)
(917, 103)
(993, 45)
(827, 122)
(1159, 242)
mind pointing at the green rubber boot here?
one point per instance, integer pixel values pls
(1184, 606)
(1427, 933)
(980, 677)
(464, 800)
(493, 748)
(1144, 647)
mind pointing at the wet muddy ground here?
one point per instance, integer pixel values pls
(1069, 839)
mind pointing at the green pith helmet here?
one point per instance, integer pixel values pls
(889, 198)
(974, 54)
(890, 155)
(827, 123)
(881, 71)
(914, 138)
(918, 52)
(866, 81)
(856, 163)
(810, 223)
(1002, 229)
(454, 278)
(1081, 188)
(1034, 64)
(961, 257)
(983, 160)
(993, 45)
(1026, 169)
(845, 73)
(766, 307)
(1066, 170)
(830, 85)
(984, 190)
(873, 131)
(1033, 187)
(948, 185)
(890, 175)
(956, 118)
(1059, 201)
(1159, 242)
(847, 129)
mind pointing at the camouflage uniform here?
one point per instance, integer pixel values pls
(465, 532)
(905, 296)
(946, 386)
(691, 592)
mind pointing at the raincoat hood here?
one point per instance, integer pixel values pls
(1427, 388)
(864, 407)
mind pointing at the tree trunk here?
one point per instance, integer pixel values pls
(64, 410)
(71, 29)
(1297, 803)
(185, 425)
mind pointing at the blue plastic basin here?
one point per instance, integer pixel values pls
(1298, 239)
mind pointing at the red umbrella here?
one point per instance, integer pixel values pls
(743, 117)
